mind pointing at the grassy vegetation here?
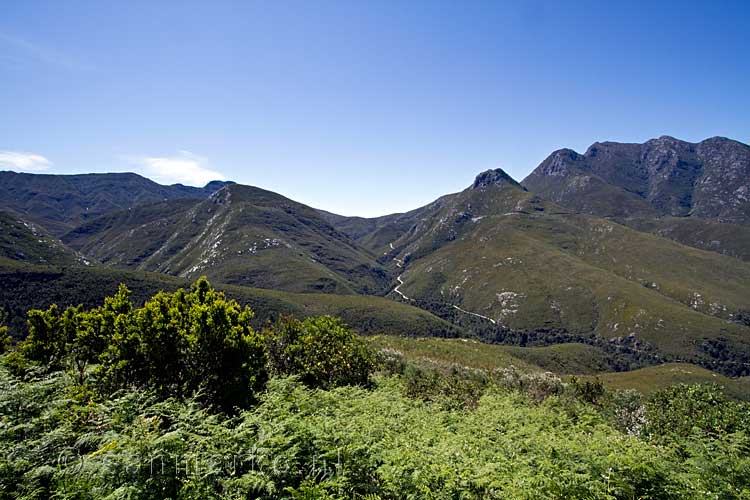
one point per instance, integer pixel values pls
(560, 358)
(459, 352)
(26, 287)
(183, 399)
(706, 234)
(242, 235)
(26, 242)
(585, 361)
(563, 358)
(654, 378)
(376, 443)
(503, 253)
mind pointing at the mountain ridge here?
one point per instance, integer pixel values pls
(499, 258)
(61, 202)
(695, 193)
(239, 235)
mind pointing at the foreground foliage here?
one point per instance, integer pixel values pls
(182, 399)
(348, 442)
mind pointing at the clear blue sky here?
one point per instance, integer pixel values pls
(362, 108)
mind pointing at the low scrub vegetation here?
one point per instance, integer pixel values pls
(183, 399)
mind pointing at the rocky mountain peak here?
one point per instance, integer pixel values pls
(557, 163)
(216, 185)
(664, 176)
(493, 177)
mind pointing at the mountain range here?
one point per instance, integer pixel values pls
(640, 250)
(697, 194)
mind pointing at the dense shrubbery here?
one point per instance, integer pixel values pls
(5, 339)
(348, 442)
(117, 402)
(322, 351)
(191, 342)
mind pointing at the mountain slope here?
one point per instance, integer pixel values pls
(61, 202)
(29, 286)
(240, 235)
(670, 187)
(25, 242)
(504, 257)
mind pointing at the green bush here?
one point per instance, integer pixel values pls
(587, 390)
(682, 410)
(177, 344)
(183, 343)
(5, 339)
(454, 388)
(321, 350)
(625, 410)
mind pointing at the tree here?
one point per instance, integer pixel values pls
(5, 339)
(186, 342)
(322, 350)
(45, 342)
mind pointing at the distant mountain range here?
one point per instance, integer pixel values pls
(697, 194)
(62, 202)
(639, 249)
(238, 235)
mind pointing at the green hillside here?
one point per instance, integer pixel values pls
(25, 287)
(654, 378)
(59, 203)
(508, 259)
(26, 242)
(694, 193)
(561, 358)
(242, 235)
(725, 238)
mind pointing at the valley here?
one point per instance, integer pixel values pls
(612, 250)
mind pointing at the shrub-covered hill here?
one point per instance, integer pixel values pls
(505, 259)
(26, 242)
(25, 287)
(654, 378)
(182, 398)
(583, 361)
(566, 358)
(61, 202)
(241, 235)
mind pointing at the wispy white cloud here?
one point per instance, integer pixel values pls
(24, 162)
(183, 168)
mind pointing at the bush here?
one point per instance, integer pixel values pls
(5, 339)
(625, 410)
(681, 410)
(322, 351)
(186, 342)
(587, 390)
(177, 344)
(538, 385)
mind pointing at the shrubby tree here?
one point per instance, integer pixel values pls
(45, 342)
(185, 342)
(75, 338)
(587, 390)
(681, 410)
(177, 344)
(5, 339)
(322, 351)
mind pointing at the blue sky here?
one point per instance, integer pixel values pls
(361, 108)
